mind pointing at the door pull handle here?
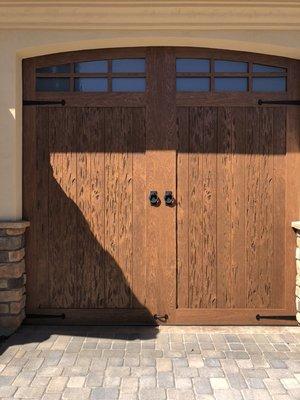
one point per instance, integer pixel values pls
(154, 199)
(169, 198)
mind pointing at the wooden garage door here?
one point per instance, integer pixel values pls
(103, 129)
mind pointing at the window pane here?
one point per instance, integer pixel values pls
(128, 84)
(230, 66)
(192, 65)
(91, 85)
(269, 84)
(267, 68)
(129, 65)
(91, 66)
(193, 84)
(52, 84)
(231, 84)
(65, 68)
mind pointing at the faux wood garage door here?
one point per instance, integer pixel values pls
(104, 130)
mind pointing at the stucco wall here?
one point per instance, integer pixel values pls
(18, 44)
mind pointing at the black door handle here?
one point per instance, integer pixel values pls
(154, 199)
(169, 198)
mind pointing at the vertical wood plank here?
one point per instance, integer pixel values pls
(69, 209)
(161, 163)
(183, 208)
(279, 184)
(209, 275)
(111, 212)
(253, 222)
(83, 201)
(266, 251)
(196, 273)
(61, 279)
(224, 185)
(97, 156)
(237, 268)
(114, 278)
(29, 203)
(41, 205)
(139, 202)
(125, 207)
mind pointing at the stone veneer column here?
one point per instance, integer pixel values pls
(296, 226)
(12, 276)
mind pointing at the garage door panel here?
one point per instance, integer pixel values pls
(230, 164)
(91, 175)
(61, 238)
(230, 208)
(98, 250)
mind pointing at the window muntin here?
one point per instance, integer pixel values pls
(192, 75)
(116, 75)
(217, 75)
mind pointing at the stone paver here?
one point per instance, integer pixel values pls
(147, 363)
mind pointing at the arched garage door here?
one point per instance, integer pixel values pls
(157, 188)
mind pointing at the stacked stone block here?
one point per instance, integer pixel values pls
(12, 276)
(296, 226)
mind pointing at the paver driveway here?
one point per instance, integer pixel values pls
(185, 363)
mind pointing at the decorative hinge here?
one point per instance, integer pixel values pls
(282, 317)
(43, 102)
(34, 316)
(260, 102)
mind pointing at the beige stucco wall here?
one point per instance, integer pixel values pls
(22, 43)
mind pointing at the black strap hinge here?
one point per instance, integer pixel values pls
(43, 102)
(260, 102)
(36, 316)
(282, 317)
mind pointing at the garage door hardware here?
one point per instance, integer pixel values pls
(154, 199)
(279, 102)
(283, 317)
(34, 316)
(161, 318)
(169, 199)
(43, 102)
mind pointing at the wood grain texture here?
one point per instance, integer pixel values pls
(97, 217)
(279, 179)
(41, 204)
(224, 184)
(29, 204)
(183, 207)
(139, 204)
(210, 213)
(125, 206)
(61, 280)
(253, 222)
(195, 219)
(266, 250)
